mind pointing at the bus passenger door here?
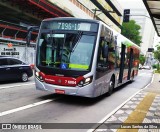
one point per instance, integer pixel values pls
(130, 64)
(122, 64)
(102, 67)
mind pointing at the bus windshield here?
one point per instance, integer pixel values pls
(68, 51)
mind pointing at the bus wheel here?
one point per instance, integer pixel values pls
(111, 86)
(132, 77)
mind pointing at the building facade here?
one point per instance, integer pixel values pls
(139, 13)
(13, 31)
(85, 9)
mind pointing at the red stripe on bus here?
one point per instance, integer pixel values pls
(62, 81)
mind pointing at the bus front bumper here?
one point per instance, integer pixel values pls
(86, 91)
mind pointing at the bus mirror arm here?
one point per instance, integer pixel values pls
(30, 29)
(28, 39)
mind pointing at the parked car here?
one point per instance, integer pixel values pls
(140, 66)
(14, 69)
(146, 67)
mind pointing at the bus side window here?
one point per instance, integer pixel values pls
(118, 56)
(101, 62)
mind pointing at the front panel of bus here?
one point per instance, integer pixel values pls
(64, 57)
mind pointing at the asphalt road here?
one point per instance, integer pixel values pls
(21, 103)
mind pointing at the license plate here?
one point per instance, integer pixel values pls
(59, 91)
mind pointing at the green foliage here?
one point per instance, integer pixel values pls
(157, 56)
(158, 68)
(157, 53)
(131, 31)
(142, 59)
(154, 66)
(156, 71)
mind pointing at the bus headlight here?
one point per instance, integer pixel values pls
(39, 76)
(85, 81)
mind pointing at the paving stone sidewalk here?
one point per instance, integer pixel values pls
(152, 115)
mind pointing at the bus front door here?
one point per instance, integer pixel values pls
(130, 64)
(122, 64)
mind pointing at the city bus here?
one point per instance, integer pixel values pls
(82, 57)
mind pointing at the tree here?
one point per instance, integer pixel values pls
(157, 55)
(142, 59)
(131, 31)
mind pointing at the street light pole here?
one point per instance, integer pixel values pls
(95, 10)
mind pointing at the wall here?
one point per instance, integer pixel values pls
(147, 29)
(83, 9)
(26, 54)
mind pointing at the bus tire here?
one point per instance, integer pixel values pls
(132, 77)
(111, 86)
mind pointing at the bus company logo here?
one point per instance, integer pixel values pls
(46, 79)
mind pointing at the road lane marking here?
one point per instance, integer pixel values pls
(25, 107)
(152, 79)
(139, 74)
(17, 85)
(117, 108)
(138, 115)
(145, 74)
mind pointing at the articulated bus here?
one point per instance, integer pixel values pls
(83, 57)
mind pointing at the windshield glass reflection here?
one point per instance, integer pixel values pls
(66, 51)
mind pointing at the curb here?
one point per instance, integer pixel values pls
(117, 108)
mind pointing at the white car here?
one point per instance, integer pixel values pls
(140, 66)
(146, 67)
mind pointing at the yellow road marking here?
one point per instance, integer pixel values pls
(138, 115)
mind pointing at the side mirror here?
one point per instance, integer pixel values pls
(105, 51)
(28, 39)
(29, 33)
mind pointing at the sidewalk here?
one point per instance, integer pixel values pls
(144, 108)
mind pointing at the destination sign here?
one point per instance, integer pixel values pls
(69, 25)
